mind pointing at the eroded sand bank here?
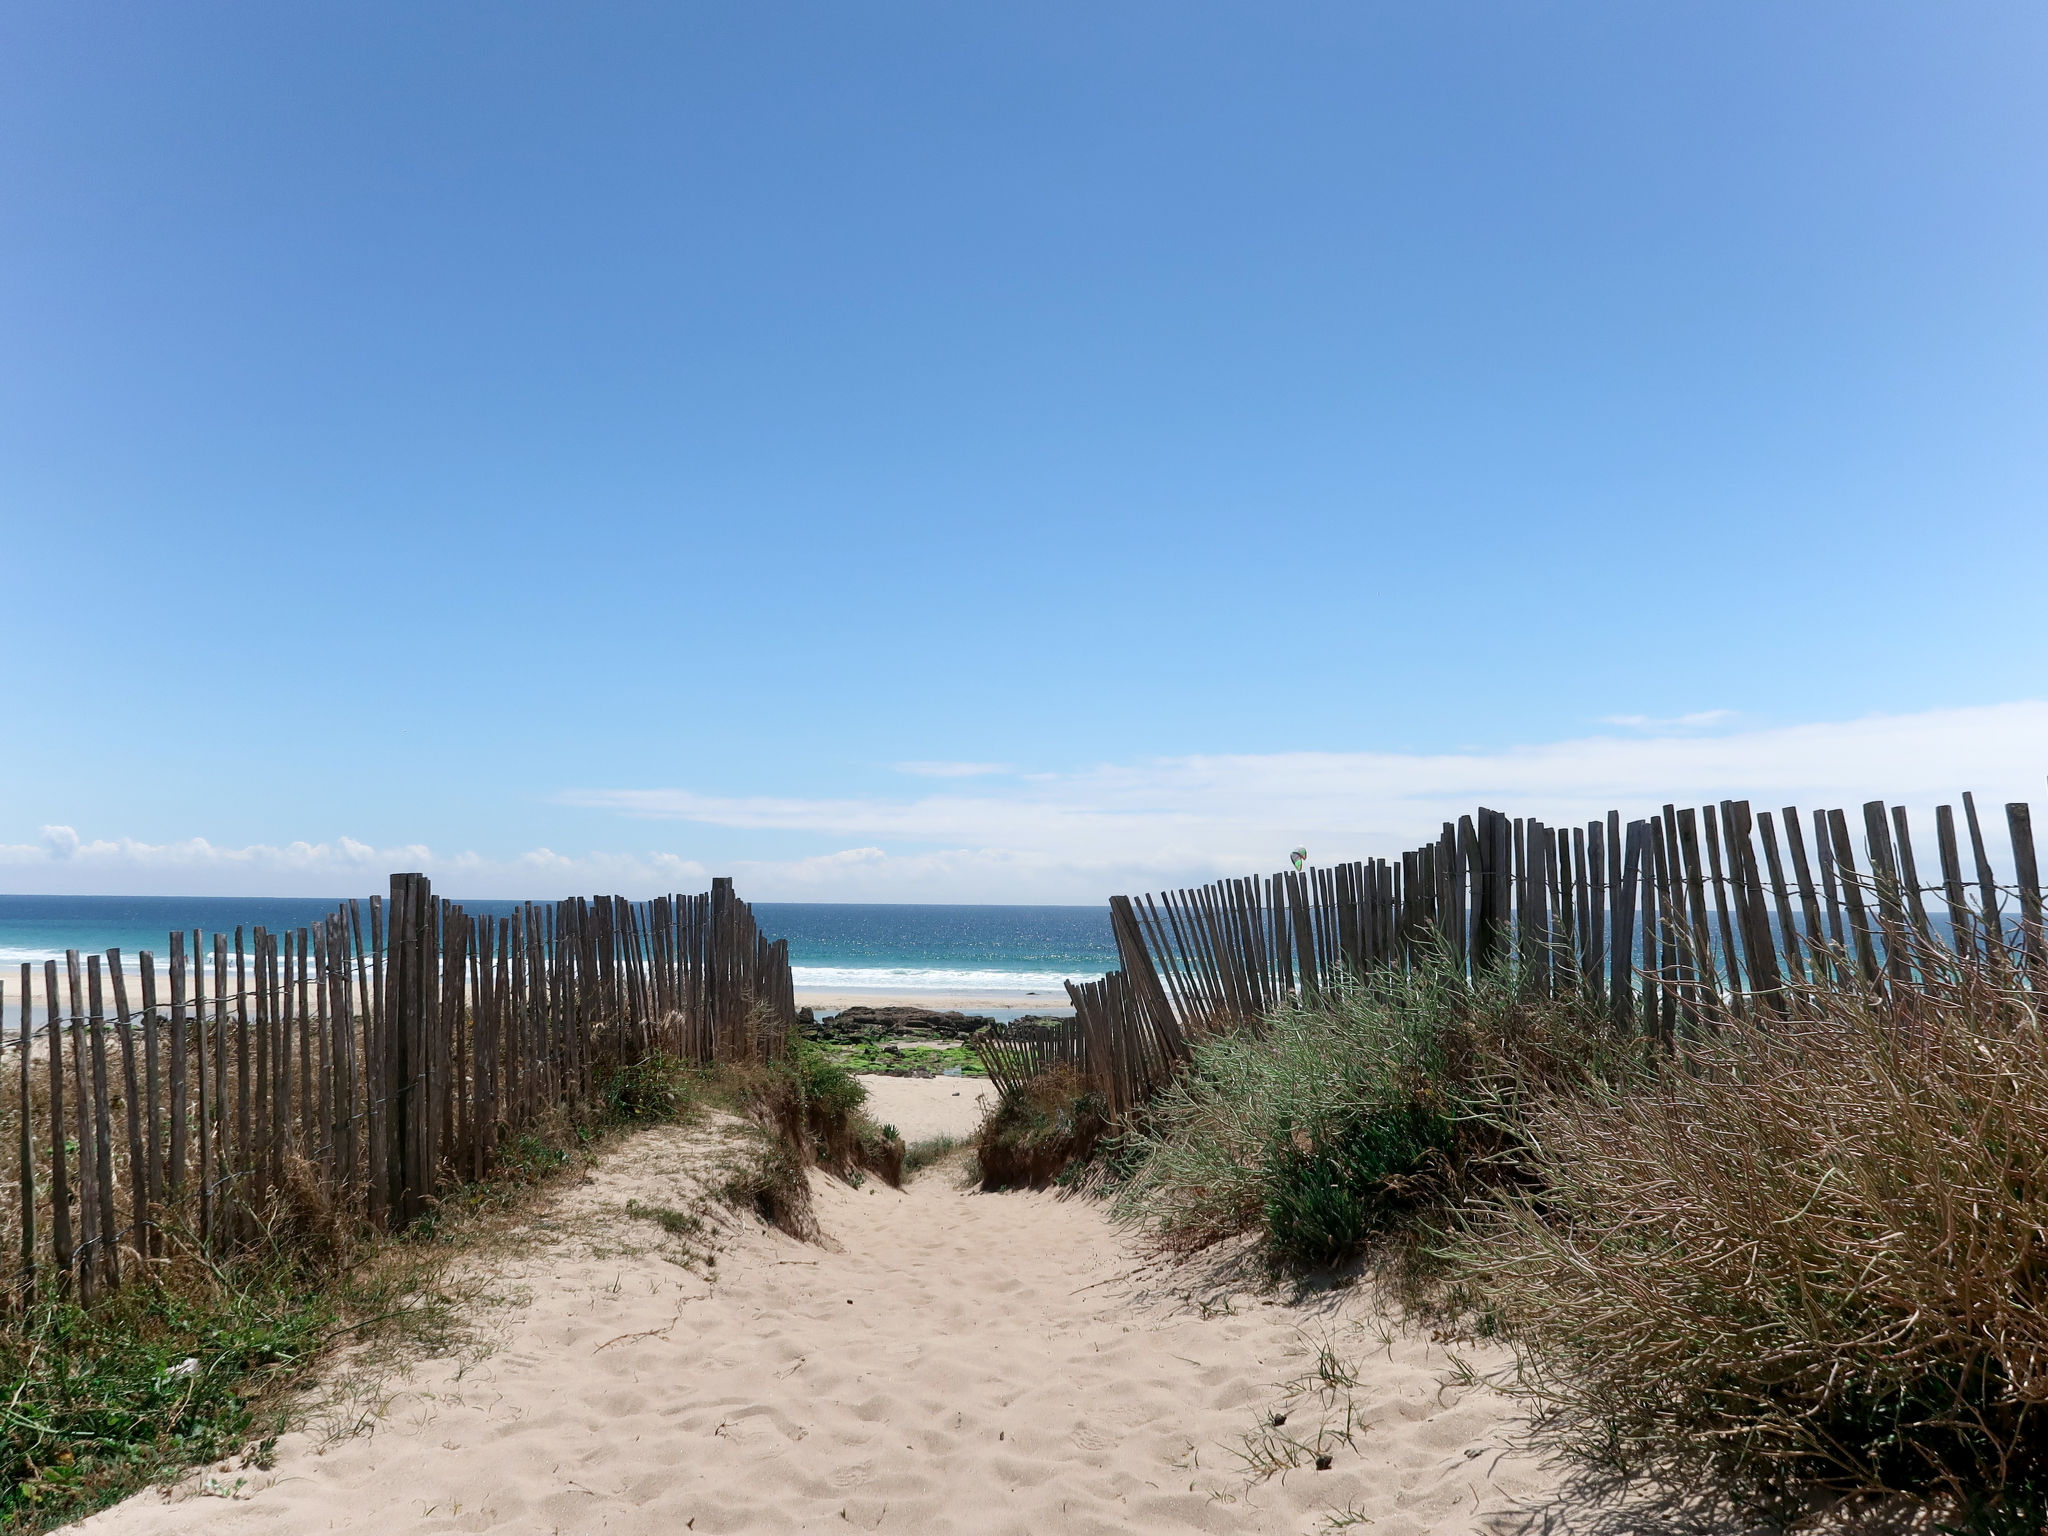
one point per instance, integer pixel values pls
(946, 1362)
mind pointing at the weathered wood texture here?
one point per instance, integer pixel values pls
(378, 1063)
(1656, 921)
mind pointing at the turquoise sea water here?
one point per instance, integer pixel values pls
(905, 949)
(913, 948)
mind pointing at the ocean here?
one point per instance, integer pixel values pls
(854, 949)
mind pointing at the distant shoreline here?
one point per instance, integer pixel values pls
(1052, 999)
(1002, 1004)
(997, 961)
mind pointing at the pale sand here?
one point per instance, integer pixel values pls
(945, 1362)
(923, 1107)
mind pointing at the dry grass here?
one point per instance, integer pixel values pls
(928, 1152)
(200, 1358)
(1032, 1136)
(1809, 1256)
(769, 1177)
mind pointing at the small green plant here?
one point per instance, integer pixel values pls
(1268, 1449)
(1334, 1376)
(1328, 1190)
(815, 1104)
(827, 1086)
(144, 1384)
(527, 1157)
(672, 1221)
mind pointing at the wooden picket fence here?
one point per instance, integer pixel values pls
(364, 1064)
(1651, 920)
(1013, 1056)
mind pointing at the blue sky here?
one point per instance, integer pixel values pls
(999, 452)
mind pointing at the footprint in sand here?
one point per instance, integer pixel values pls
(951, 1390)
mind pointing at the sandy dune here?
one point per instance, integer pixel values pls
(946, 1361)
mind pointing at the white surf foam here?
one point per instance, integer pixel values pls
(825, 978)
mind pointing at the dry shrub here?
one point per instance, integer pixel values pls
(877, 1149)
(814, 1105)
(1809, 1256)
(1031, 1136)
(299, 1221)
(771, 1178)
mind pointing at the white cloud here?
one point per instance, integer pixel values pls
(67, 863)
(1170, 819)
(952, 770)
(1699, 720)
(1080, 835)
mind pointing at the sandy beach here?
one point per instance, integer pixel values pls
(1052, 999)
(923, 1107)
(941, 1361)
(997, 1005)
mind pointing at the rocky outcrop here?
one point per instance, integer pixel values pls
(853, 1026)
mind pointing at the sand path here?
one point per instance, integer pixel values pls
(946, 1362)
(920, 1107)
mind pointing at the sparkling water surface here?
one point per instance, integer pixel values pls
(833, 946)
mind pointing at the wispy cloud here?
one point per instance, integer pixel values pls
(1082, 834)
(952, 770)
(1191, 817)
(1698, 721)
(63, 847)
(1404, 793)
(64, 862)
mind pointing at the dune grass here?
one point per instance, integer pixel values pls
(1809, 1256)
(770, 1177)
(928, 1151)
(1339, 1118)
(1803, 1258)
